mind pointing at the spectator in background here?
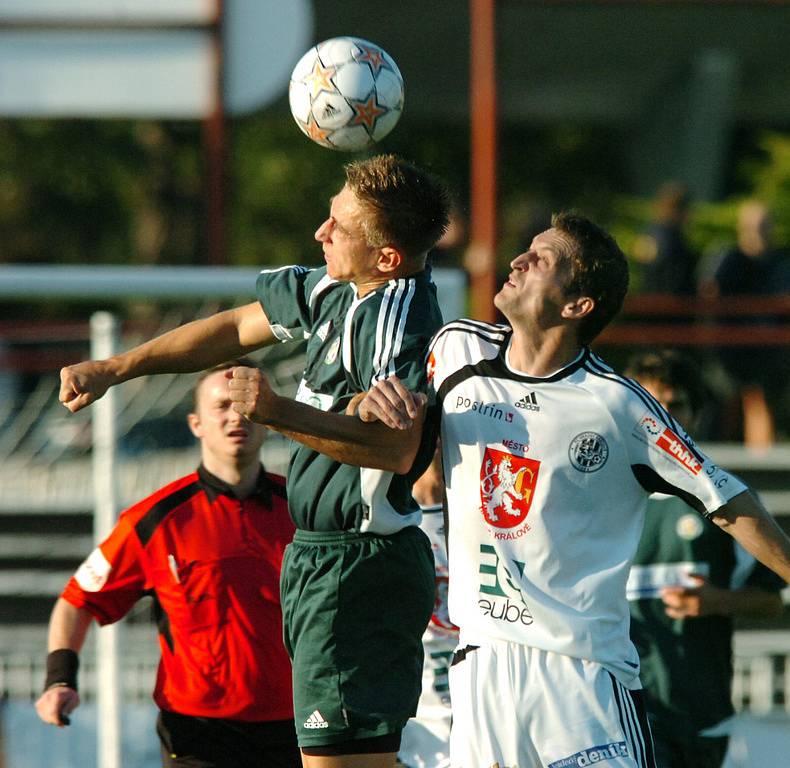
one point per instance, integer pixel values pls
(426, 737)
(688, 582)
(668, 265)
(209, 547)
(753, 267)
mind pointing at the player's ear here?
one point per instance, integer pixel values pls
(193, 420)
(390, 259)
(577, 308)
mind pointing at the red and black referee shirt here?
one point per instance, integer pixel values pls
(212, 564)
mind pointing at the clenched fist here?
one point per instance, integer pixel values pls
(251, 394)
(83, 383)
(56, 704)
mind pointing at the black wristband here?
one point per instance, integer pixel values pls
(62, 666)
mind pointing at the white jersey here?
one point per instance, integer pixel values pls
(547, 481)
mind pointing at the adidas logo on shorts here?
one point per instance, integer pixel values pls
(316, 720)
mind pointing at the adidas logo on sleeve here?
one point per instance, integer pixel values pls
(316, 720)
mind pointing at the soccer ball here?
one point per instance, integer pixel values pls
(346, 93)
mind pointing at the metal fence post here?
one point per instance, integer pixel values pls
(104, 343)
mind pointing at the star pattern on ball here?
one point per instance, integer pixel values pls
(320, 79)
(373, 57)
(366, 112)
(315, 132)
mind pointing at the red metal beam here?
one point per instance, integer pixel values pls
(481, 261)
(644, 305)
(702, 335)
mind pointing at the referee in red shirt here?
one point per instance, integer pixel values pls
(208, 548)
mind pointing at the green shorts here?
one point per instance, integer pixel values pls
(355, 606)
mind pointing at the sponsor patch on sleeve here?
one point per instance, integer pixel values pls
(666, 441)
(93, 573)
(431, 368)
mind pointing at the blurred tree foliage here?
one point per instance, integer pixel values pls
(87, 191)
(99, 191)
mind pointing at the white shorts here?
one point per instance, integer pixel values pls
(425, 741)
(520, 707)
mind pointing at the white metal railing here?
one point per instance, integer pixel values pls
(761, 679)
(761, 672)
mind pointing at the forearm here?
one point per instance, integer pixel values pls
(746, 520)
(68, 626)
(751, 601)
(347, 438)
(192, 347)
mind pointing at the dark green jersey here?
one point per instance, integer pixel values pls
(351, 344)
(686, 664)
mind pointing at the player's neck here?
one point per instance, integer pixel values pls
(241, 476)
(543, 353)
(370, 283)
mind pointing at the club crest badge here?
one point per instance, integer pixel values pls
(588, 452)
(507, 486)
(331, 354)
(689, 527)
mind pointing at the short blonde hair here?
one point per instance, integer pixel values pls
(405, 206)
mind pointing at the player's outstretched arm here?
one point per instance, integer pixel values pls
(191, 347)
(706, 599)
(343, 437)
(68, 627)
(746, 520)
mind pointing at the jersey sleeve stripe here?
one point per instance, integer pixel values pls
(492, 328)
(295, 267)
(393, 314)
(404, 315)
(653, 405)
(394, 296)
(598, 368)
(148, 523)
(162, 620)
(319, 288)
(381, 321)
(348, 330)
(652, 482)
(493, 333)
(648, 400)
